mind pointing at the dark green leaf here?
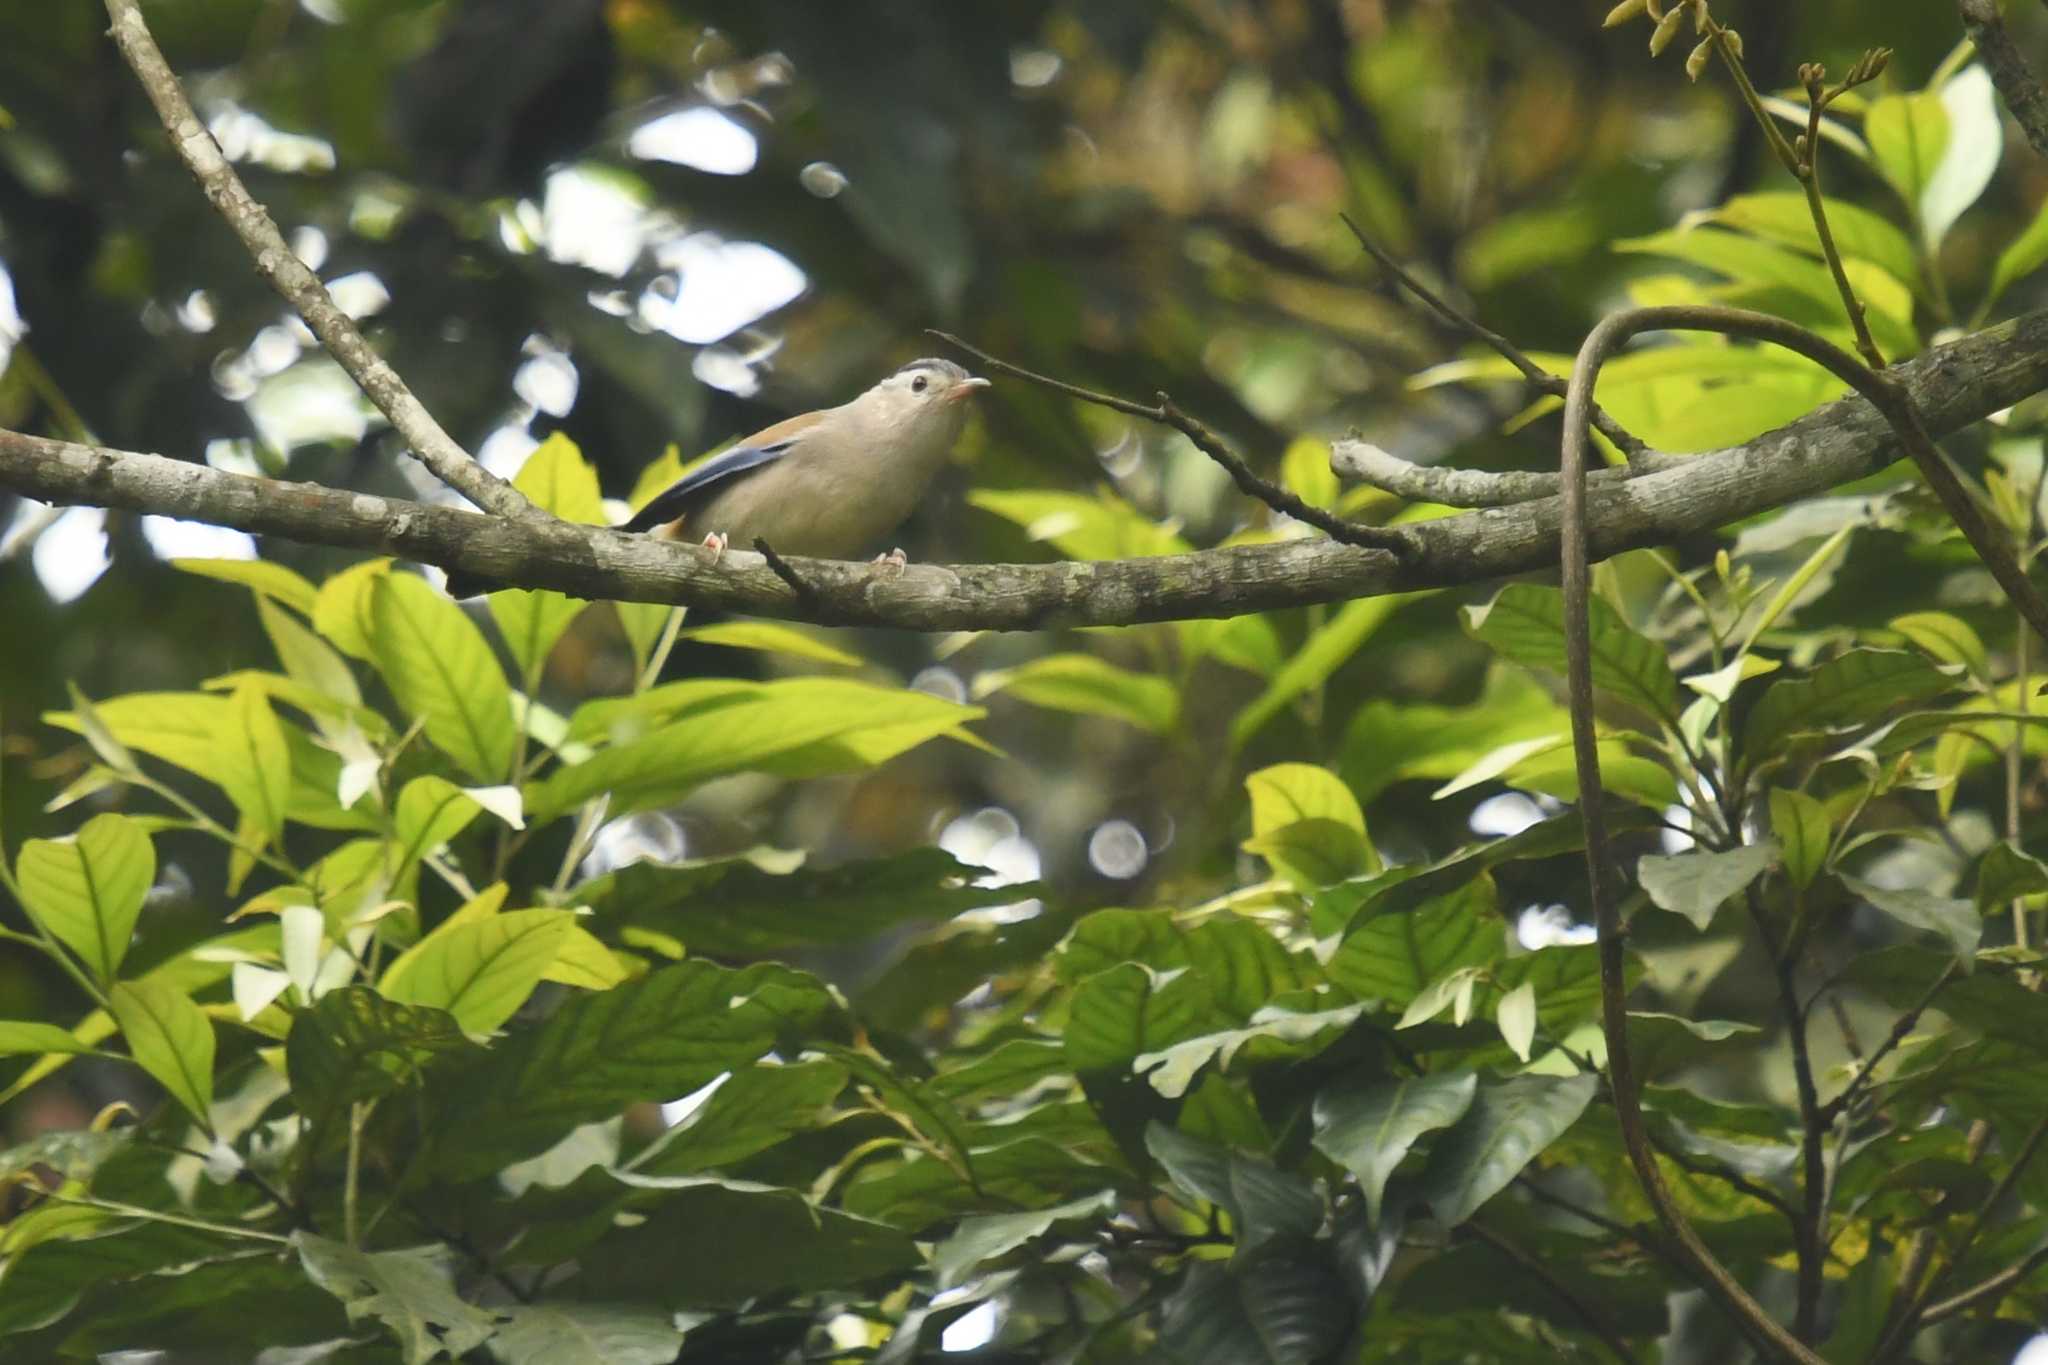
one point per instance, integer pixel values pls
(2006, 873)
(1368, 1127)
(1525, 622)
(1698, 883)
(1508, 1126)
(1952, 917)
(584, 1334)
(1850, 690)
(653, 1038)
(1801, 827)
(411, 1292)
(353, 1044)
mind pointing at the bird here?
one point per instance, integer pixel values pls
(827, 484)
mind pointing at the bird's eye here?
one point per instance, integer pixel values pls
(917, 385)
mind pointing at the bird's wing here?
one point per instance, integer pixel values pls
(676, 501)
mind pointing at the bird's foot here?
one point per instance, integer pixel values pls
(716, 542)
(890, 565)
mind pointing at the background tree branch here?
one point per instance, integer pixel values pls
(1952, 386)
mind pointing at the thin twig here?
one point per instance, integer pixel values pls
(280, 266)
(1596, 1321)
(1902, 1028)
(2009, 71)
(1204, 439)
(1540, 379)
(805, 592)
(1983, 1289)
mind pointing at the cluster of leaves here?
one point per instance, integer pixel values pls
(1273, 1125)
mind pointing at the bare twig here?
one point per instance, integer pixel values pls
(1538, 378)
(1985, 1288)
(1209, 443)
(780, 568)
(299, 286)
(1595, 1320)
(2008, 69)
(1902, 1028)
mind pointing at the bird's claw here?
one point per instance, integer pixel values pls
(890, 565)
(716, 543)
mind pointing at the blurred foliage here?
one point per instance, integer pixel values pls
(1284, 1017)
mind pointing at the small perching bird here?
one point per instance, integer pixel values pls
(828, 483)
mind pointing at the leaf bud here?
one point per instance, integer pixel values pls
(1667, 29)
(1623, 12)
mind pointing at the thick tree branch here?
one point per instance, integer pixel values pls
(1952, 386)
(278, 264)
(2009, 70)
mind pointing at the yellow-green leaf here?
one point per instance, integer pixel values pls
(87, 889)
(442, 672)
(256, 765)
(1086, 685)
(170, 1038)
(773, 638)
(342, 608)
(481, 971)
(267, 579)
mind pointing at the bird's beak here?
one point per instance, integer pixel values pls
(965, 388)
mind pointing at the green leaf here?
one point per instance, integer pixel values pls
(1310, 666)
(1287, 1308)
(443, 674)
(1081, 527)
(767, 1241)
(1308, 825)
(171, 1038)
(732, 906)
(1305, 471)
(87, 889)
(1369, 1126)
(652, 1038)
(1171, 1071)
(2006, 873)
(256, 764)
(772, 637)
(797, 727)
(353, 1044)
(342, 610)
(2022, 257)
(412, 1292)
(1085, 685)
(1908, 135)
(568, 1333)
(1698, 883)
(977, 1241)
(1392, 957)
(1802, 828)
(480, 971)
(1266, 1203)
(758, 1107)
(269, 579)
(1948, 639)
(1660, 1044)
(1953, 918)
(1784, 217)
(431, 810)
(1853, 689)
(1508, 1125)
(1117, 1015)
(557, 479)
(18, 1036)
(1525, 623)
